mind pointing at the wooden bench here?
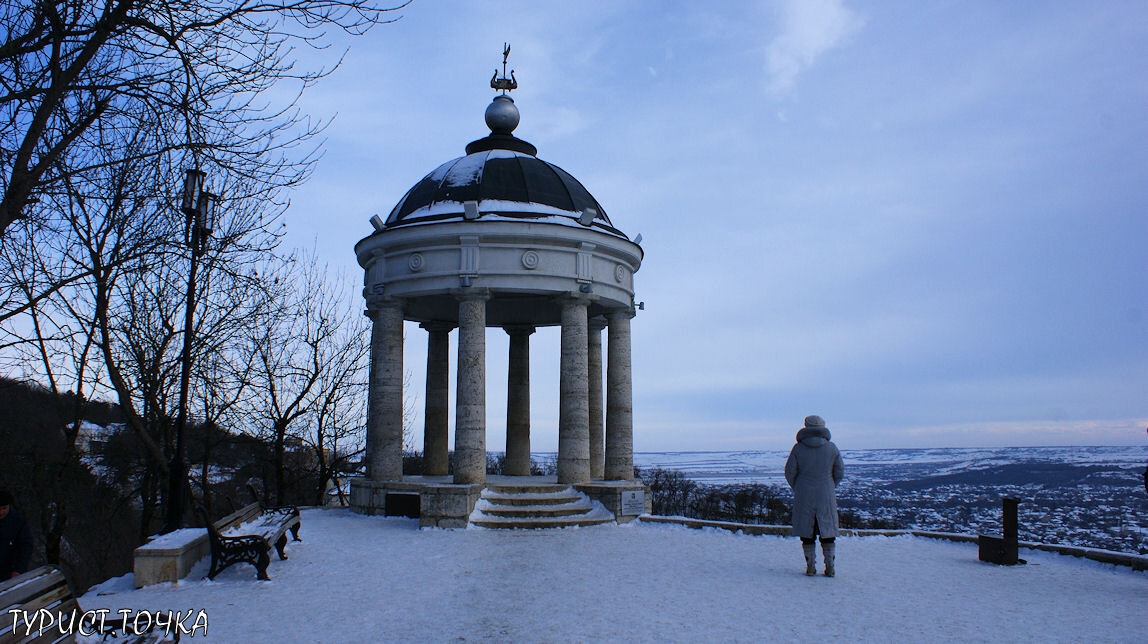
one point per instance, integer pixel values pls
(38, 606)
(247, 535)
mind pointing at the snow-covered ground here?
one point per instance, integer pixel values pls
(374, 579)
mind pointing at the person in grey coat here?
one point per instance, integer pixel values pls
(813, 470)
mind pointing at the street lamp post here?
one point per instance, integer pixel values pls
(198, 205)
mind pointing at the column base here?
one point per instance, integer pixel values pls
(626, 499)
(437, 503)
(442, 504)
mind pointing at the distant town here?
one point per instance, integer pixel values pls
(1083, 496)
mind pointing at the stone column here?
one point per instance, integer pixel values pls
(470, 391)
(619, 400)
(436, 444)
(574, 404)
(594, 362)
(518, 402)
(385, 392)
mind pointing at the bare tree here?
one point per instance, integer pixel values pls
(335, 426)
(308, 354)
(196, 70)
(122, 317)
(83, 251)
(102, 106)
(235, 292)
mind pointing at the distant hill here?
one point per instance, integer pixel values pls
(24, 404)
(91, 500)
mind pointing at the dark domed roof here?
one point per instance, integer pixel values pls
(502, 178)
(502, 182)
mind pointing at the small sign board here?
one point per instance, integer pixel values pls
(633, 502)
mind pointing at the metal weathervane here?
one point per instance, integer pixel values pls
(505, 84)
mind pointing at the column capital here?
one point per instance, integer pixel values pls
(519, 329)
(471, 293)
(438, 326)
(597, 323)
(377, 302)
(574, 297)
(616, 314)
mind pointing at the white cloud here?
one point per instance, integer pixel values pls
(809, 29)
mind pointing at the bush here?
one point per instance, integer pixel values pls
(674, 494)
(677, 495)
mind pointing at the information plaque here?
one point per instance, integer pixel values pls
(633, 502)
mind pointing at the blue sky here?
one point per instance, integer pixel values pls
(926, 222)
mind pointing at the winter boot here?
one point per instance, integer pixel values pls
(830, 551)
(810, 558)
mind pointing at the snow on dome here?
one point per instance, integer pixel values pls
(503, 175)
(503, 182)
(464, 172)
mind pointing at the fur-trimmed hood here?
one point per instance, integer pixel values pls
(813, 436)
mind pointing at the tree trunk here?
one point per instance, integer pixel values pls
(147, 502)
(280, 475)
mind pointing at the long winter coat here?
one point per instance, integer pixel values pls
(813, 470)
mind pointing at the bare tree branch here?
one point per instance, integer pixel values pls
(192, 68)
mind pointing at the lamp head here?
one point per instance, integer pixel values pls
(192, 188)
(206, 212)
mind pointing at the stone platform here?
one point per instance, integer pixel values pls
(169, 557)
(439, 502)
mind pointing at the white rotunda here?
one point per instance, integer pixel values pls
(499, 238)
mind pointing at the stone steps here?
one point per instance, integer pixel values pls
(532, 495)
(527, 511)
(537, 506)
(544, 489)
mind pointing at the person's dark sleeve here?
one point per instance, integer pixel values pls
(23, 547)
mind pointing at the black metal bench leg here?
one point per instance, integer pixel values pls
(295, 532)
(215, 567)
(261, 565)
(280, 545)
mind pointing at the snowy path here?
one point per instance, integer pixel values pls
(373, 579)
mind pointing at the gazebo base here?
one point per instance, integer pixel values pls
(438, 502)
